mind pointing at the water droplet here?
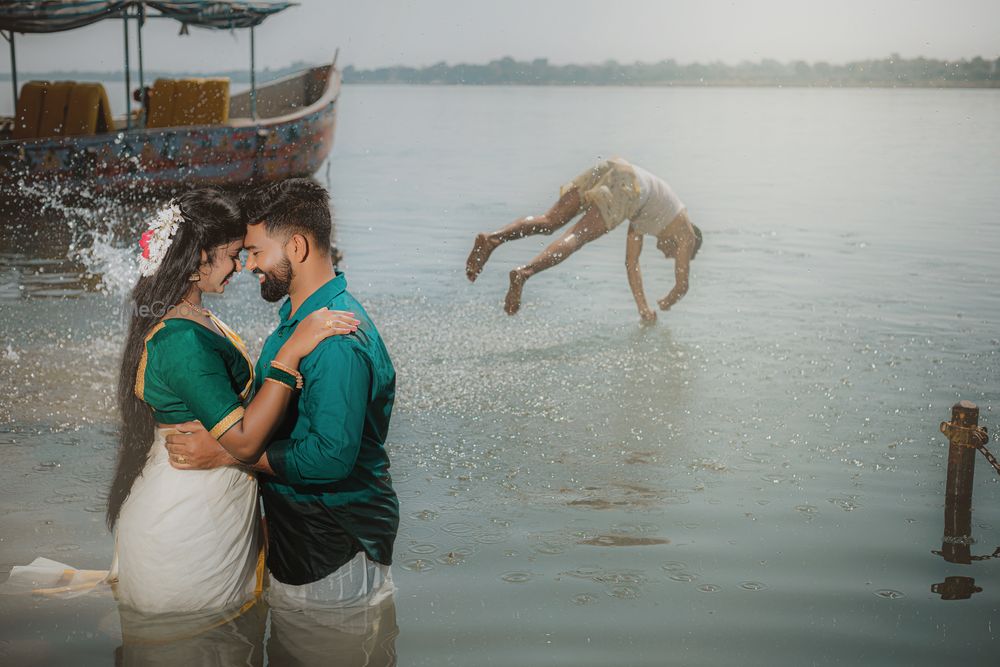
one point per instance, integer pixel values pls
(625, 592)
(516, 577)
(753, 586)
(889, 594)
(458, 527)
(673, 566)
(685, 577)
(549, 548)
(423, 548)
(620, 578)
(584, 572)
(418, 565)
(456, 557)
(584, 598)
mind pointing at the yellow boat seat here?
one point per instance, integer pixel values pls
(187, 96)
(186, 102)
(53, 118)
(160, 103)
(89, 111)
(29, 109)
(212, 104)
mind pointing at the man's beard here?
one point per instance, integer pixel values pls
(275, 285)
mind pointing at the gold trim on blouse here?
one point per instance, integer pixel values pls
(140, 375)
(227, 422)
(240, 346)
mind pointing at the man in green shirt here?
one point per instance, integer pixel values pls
(331, 511)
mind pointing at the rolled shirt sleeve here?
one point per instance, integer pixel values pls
(337, 385)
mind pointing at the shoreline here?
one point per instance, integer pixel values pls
(734, 83)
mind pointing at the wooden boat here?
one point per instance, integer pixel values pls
(291, 136)
(281, 129)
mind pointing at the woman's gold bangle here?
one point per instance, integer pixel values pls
(288, 387)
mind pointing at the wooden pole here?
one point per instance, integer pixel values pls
(128, 77)
(13, 69)
(961, 454)
(140, 19)
(957, 543)
(253, 76)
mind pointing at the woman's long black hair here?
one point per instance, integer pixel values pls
(211, 219)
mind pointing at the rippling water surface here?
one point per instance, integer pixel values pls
(757, 479)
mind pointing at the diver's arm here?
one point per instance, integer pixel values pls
(633, 247)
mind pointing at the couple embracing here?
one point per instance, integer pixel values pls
(205, 430)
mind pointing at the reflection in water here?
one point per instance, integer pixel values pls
(348, 637)
(956, 588)
(207, 638)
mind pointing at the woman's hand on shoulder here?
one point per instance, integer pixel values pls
(320, 325)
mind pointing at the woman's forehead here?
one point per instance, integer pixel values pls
(231, 246)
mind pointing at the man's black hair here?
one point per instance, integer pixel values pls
(697, 242)
(293, 206)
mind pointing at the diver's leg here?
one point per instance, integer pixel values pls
(591, 226)
(561, 212)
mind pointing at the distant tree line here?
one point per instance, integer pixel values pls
(890, 72)
(235, 76)
(893, 71)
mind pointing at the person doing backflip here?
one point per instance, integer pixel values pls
(608, 194)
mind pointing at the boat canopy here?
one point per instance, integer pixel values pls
(54, 16)
(45, 16)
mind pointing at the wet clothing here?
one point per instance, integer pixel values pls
(658, 204)
(188, 540)
(331, 496)
(621, 191)
(361, 582)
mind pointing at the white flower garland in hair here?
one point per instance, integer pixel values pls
(157, 239)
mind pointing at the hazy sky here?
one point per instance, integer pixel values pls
(384, 32)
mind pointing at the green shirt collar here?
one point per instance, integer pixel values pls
(321, 297)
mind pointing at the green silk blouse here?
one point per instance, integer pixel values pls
(188, 372)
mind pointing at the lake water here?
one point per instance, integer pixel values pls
(757, 479)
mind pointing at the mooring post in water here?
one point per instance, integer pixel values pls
(957, 543)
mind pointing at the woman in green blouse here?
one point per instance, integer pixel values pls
(189, 540)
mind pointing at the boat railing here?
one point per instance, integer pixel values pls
(282, 96)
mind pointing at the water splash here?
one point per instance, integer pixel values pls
(87, 238)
